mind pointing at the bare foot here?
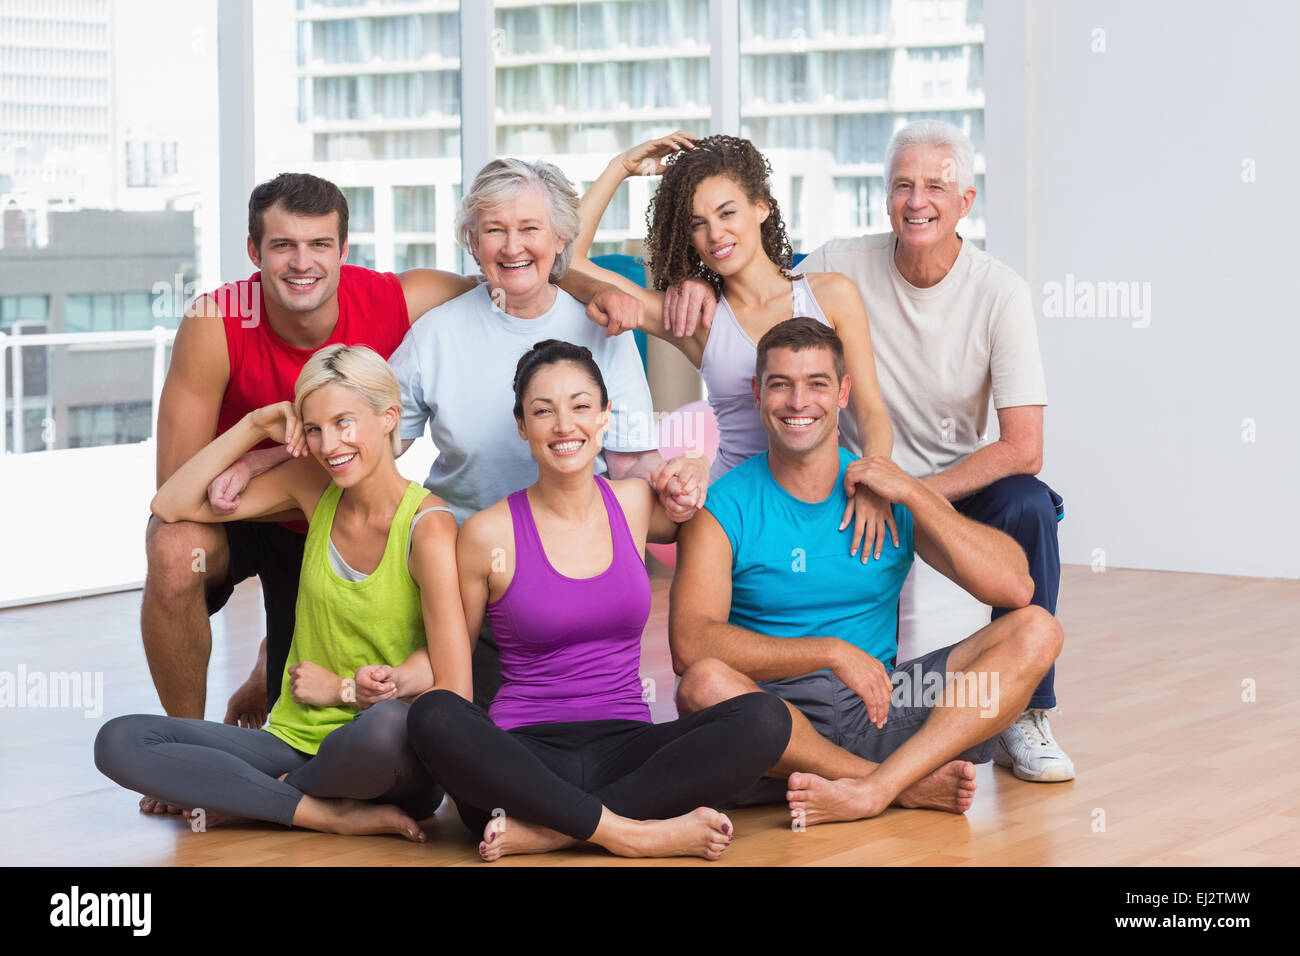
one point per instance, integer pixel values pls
(247, 706)
(355, 817)
(200, 819)
(815, 799)
(951, 788)
(702, 832)
(151, 805)
(502, 839)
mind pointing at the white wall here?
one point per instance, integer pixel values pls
(1127, 165)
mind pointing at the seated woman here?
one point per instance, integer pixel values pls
(378, 574)
(714, 218)
(569, 753)
(519, 220)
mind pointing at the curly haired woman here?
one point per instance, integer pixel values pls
(714, 218)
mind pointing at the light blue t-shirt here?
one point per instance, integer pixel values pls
(456, 367)
(791, 571)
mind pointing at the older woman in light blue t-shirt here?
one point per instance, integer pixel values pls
(519, 221)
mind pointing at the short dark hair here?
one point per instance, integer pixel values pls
(552, 352)
(301, 194)
(796, 335)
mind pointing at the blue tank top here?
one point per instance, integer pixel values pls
(570, 647)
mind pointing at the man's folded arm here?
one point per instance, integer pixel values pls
(700, 604)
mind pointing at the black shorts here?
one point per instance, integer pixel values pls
(273, 553)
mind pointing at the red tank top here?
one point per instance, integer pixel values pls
(264, 368)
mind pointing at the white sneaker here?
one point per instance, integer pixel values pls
(1027, 747)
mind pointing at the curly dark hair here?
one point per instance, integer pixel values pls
(670, 257)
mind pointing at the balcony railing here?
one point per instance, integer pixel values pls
(11, 365)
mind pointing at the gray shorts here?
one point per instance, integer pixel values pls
(840, 715)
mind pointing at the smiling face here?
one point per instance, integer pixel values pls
(925, 201)
(344, 435)
(301, 259)
(725, 225)
(799, 399)
(516, 245)
(563, 419)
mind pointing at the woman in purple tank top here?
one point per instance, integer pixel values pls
(568, 753)
(714, 218)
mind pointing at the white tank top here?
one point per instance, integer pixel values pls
(727, 366)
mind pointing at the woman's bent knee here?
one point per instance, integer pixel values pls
(430, 711)
(118, 740)
(382, 726)
(769, 717)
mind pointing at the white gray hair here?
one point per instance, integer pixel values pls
(934, 133)
(502, 180)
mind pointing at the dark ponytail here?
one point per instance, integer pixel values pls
(552, 352)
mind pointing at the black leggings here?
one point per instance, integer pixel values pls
(559, 775)
(226, 769)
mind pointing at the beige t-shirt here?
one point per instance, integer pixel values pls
(942, 351)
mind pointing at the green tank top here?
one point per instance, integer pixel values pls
(342, 625)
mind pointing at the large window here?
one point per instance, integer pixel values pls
(115, 423)
(112, 312)
(27, 309)
(367, 95)
(577, 83)
(415, 208)
(109, 150)
(825, 83)
(111, 219)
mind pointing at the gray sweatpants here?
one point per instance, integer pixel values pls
(225, 769)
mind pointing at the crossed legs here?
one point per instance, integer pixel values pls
(625, 785)
(828, 783)
(365, 779)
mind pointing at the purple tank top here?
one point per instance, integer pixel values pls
(570, 647)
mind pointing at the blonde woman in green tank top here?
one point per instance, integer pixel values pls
(377, 576)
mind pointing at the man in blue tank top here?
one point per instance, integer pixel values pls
(768, 597)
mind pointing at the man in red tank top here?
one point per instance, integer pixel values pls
(239, 348)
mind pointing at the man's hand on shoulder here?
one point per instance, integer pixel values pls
(882, 476)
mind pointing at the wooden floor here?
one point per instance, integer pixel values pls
(1174, 767)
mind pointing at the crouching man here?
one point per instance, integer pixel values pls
(768, 597)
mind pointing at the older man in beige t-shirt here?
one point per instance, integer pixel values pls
(952, 327)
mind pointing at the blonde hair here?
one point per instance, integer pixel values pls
(359, 368)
